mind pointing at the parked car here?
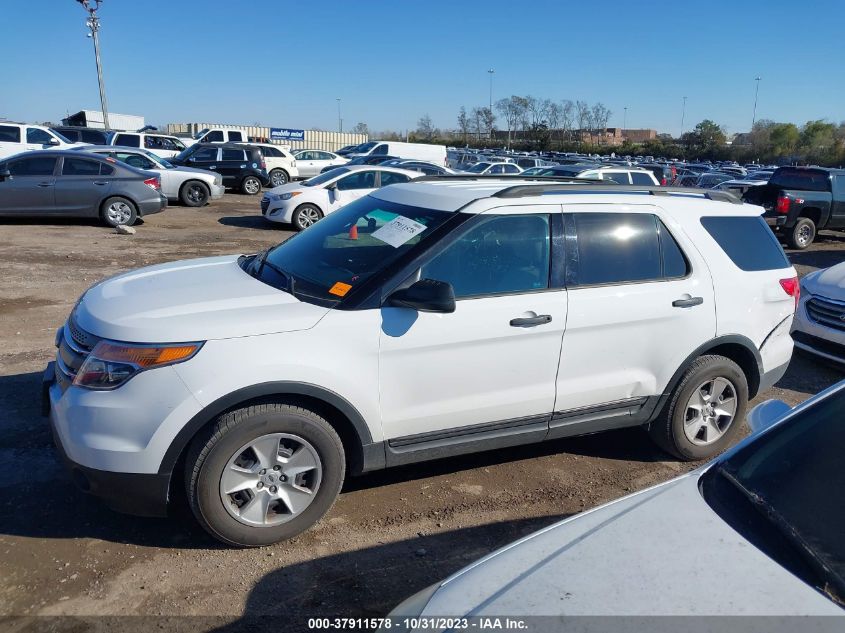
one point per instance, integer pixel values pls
(485, 168)
(798, 201)
(75, 184)
(526, 162)
(310, 162)
(613, 173)
(346, 149)
(429, 169)
(242, 166)
(85, 135)
(272, 376)
(221, 135)
(819, 325)
(664, 174)
(281, 165)
(162, 145)
(303, 204)
(192, 187)
(418, 151)
(760, 527)
(710, 179)
(361, 160)
(21, 137)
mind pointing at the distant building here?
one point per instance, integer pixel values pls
(94, 118)
(614, 136)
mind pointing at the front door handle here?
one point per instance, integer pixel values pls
(45, 184)
(100, 183)
(687, 303)
(531, 321)
(213, 167)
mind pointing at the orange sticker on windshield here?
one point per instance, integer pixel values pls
(340, 289)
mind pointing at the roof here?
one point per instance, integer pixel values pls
(475, 195)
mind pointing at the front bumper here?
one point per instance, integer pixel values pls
(217, 191)
(815, 338)
(277, 211)
(141, 494)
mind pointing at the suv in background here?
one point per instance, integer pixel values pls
(162, 145)
(242, 166)
(423, 320)
(22, 137)
(221, 135)
(86, 135)
(281, 165)
(615, 173)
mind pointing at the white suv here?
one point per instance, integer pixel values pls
(426, 319)
(22, 137)
(281, 165)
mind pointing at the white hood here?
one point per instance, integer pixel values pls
(829, 282)
(192, 300)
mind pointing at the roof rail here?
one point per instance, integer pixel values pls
(506, 177)
(520, 191)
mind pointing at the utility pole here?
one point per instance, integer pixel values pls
(756, 91)
(624, 119)
(683, 114)
(339, 120)
(490, 72)
(93, 24)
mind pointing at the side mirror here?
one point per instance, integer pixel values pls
(425, 295)
(766, 414)
(53, 142)
(5, 174)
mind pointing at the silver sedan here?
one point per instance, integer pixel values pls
(192, 187)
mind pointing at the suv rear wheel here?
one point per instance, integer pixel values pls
(250, 185)
(705, 411)
(278, 177)
(264, 473)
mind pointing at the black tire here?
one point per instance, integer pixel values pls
(251, 186)
(802, 234)
(110, 215)
(304, 216)
(279, 177)
(210, 453)
(194, 193)
(668, 429)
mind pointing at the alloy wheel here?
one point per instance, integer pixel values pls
(710, 411)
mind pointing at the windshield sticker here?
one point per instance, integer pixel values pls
(340, 289)
(399, 231)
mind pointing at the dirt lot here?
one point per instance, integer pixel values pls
(389, 535)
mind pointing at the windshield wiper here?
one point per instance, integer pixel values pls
(260, 262)
(827, 580)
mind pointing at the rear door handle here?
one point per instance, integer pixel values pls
(531, 321)
(688, 303)
(45, 184)
(100, 182)
(213, 167)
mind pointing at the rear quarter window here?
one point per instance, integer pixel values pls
(748, 241)
(803, 179)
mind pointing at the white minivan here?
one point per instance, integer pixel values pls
(21, 137)
(418, 151)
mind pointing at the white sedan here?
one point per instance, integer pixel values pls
(311, 162)
(304, 203)
(192, 187)
(486, 168)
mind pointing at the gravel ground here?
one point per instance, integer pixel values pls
(390, 534)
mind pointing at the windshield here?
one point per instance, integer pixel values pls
(365, 147)
(478, 168)
(331, 259)
(200, 134)
(61, 136)
(794, 477)
(185, 153)
(324, 178)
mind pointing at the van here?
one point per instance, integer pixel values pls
(22, 137)
(418, 151)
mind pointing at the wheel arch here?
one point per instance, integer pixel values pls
(362, 454)
(740, 349)
(812, 213)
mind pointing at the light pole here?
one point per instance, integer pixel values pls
(756, 91)
(624, 118)
(683, 114)
(490, 72)
(93, 24)
(339, 120)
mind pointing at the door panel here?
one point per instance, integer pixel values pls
(31, 187)
(493, 360)
(625, 338)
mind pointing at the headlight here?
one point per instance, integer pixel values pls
(289, 195)
(110, 364)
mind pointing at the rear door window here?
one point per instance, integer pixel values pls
(619, 177)
(205, 154)
(10, 134)
(748, 241)
(390, 178)
(80, 167)
(358, 180)
(215, 136)
(234, 154)
(639, 178)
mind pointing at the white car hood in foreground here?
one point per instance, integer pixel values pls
(829, 282)
(659, 552)
(191, 300)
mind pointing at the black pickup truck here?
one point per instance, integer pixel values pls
(801, 200)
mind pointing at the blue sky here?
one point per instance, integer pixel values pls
(284, 63)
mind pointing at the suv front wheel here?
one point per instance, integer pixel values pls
(705, 411)
(264, 473)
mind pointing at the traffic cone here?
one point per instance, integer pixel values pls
(353, 232)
